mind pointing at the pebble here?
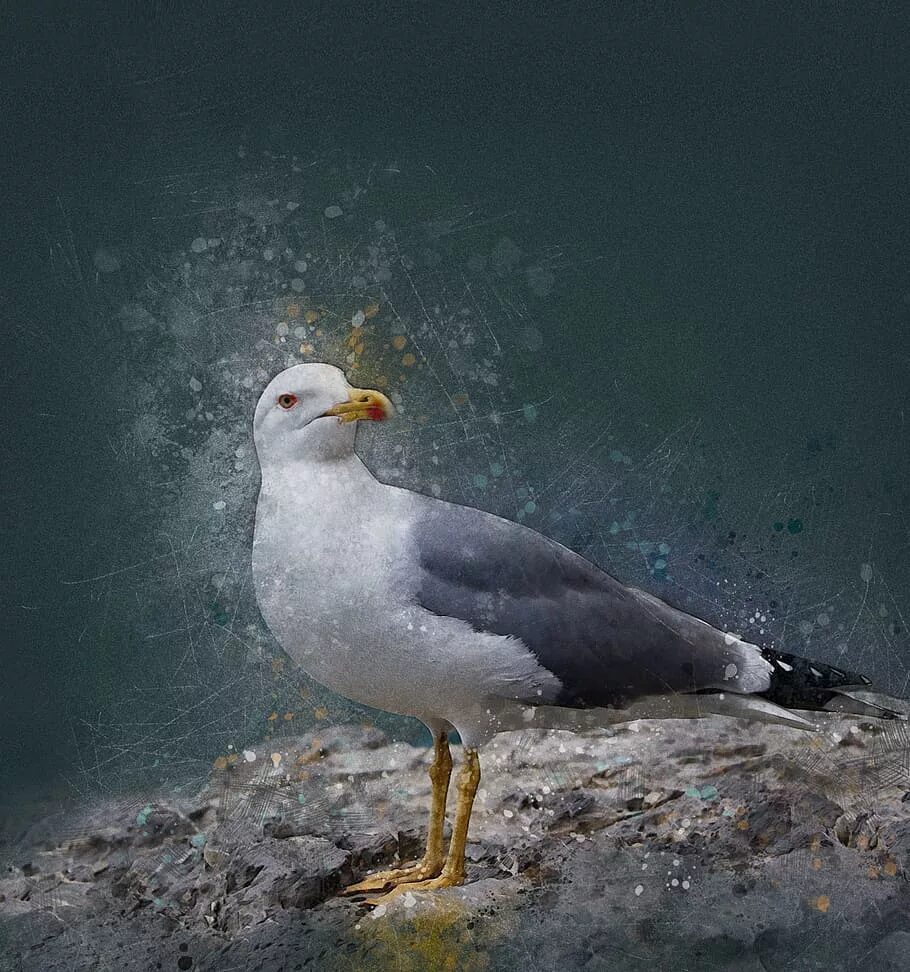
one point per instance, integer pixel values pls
(333, 212)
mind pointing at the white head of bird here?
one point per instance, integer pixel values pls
(310, 411)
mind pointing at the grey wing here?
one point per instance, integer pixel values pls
(607, 643)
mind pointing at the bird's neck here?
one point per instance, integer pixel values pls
(317, 479)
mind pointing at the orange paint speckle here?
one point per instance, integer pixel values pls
(816, 863)
(371, 310)
(288, 716)
(399, 341)
(822, 903)
(220, 763)
(408, 360)
(272, 716)
(311, 317)
(321, 713)
(277, 664)
(890, 868)
(293, 310)
(743, 825)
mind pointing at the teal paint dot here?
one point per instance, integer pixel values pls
(530, 412)
(663, 548)
(778, 526)
(198, 840)
(219, 616)
(708, 792)
(521, 492)
(480, 480)
(614, 527)
(660, 563)
(143, 815)
(728, 812)
(301, 798)
(616, 455)
(530, 507)
(795, 525)
(496, 468)
(158, 902)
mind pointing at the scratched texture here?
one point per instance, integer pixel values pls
(637, 285)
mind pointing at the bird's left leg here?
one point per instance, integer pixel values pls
(434, 857)
(453, 872)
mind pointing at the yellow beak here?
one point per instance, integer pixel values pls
(363, 403)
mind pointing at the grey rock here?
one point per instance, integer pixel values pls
(652, 846)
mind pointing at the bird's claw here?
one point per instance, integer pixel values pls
(382, 879)
(443, 880)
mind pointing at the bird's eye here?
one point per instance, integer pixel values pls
(287, 400)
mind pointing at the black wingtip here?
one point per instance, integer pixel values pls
(798, 683)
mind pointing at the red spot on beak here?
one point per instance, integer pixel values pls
(376, 413)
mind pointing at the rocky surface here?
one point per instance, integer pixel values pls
(673, 845)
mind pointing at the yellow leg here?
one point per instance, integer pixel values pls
(453, 872)
(433, 859)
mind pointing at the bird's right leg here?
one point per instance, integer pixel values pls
(432, 862)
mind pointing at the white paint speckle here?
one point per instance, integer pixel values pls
(639, 888)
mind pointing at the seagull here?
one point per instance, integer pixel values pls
(474, 623)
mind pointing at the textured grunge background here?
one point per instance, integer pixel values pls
(634, 276)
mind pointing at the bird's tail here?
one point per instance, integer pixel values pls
(798, 683)
(796, 688)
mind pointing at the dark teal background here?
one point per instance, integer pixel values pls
(728, 184)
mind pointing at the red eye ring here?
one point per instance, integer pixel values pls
(287, 400)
